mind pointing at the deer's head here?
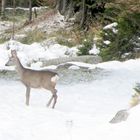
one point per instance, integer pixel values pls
(13, 53)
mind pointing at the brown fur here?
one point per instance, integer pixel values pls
(36, 79)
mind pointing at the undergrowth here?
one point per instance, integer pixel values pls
(35, 35)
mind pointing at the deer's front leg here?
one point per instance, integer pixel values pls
(27, 95)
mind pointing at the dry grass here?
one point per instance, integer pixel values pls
(134, 100)
(128, 5)
(35, 35)
(75, 36)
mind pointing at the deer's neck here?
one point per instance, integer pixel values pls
(19, 66)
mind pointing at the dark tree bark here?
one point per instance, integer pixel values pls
(84, 13)
(70, 9)
(58, 5)
(30, 11)
(14, 11)
(3, 9)
(35, 12)
(65, 4)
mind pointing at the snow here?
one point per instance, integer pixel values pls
(107, 42)
(36, 65)
(3, 56)
(94, 50)
(81, 64)
(27, 9)
(83, 110)
(110, 26)
(33, 54)
(4, 25)
(72, 51)
(73, 67)
(53, 22)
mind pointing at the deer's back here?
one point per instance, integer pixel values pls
(37, 79)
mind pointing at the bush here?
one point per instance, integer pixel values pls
(87, 45)
(124, 41)
(135, 99)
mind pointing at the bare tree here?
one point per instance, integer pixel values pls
(64, 5)
(58, 4)
(14, 11)
(84, 13)
(30, 11)
(3, 9)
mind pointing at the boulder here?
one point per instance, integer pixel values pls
(120, 116)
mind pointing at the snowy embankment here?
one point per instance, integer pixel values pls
(35, 53)
(83, 110)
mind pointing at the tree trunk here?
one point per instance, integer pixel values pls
(30, 11)
(14, 11)
(84, 13)
(70, 11)
(2, 9)
(58, 4)
(64, 6)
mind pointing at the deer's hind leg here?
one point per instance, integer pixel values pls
(54, 96)
(27, 94)
(49, 102)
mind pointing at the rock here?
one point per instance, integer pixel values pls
(120, 116)
(85, 58)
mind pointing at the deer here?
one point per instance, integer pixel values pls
(46, 79)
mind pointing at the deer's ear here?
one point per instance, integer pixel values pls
(13, 52)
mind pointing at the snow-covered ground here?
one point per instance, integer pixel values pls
(83, 110)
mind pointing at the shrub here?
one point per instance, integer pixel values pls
(124, 41)
(87, 45)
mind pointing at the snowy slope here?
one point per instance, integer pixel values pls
(83, 110)
(33, 54)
